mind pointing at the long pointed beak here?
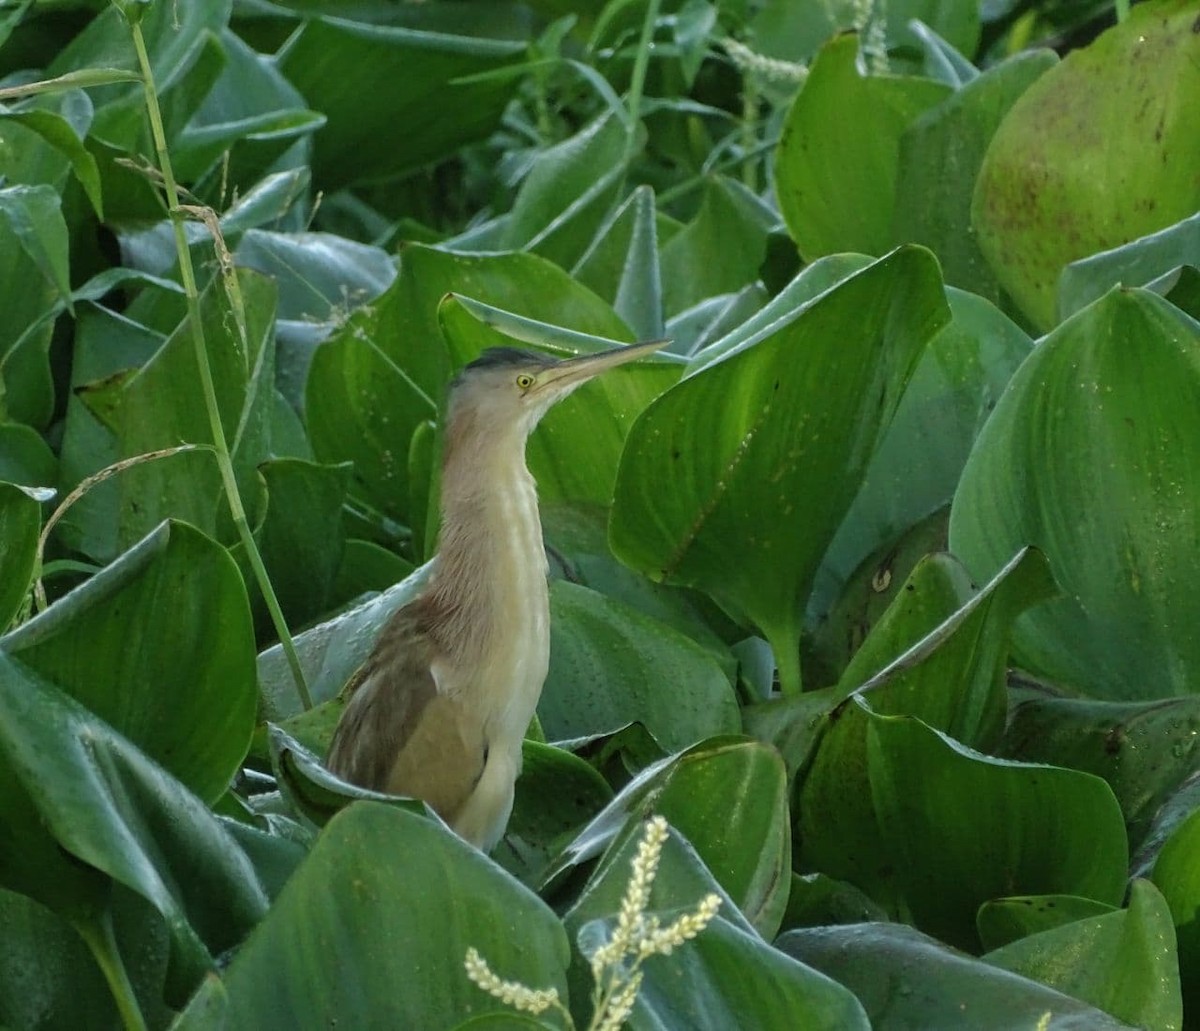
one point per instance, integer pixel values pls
(571, 372)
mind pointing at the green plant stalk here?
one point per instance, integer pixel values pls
(224, 461)
(98, 934)
(785, 643)
(638, 82)
(1122, 10)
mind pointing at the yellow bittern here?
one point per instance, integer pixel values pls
(439, 709)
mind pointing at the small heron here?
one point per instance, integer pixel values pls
(439, 709)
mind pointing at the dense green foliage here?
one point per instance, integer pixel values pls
(880, 583)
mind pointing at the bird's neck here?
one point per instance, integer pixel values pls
(490, 577)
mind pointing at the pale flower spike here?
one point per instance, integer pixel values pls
(616, 964)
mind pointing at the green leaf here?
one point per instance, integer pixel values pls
(1001, 921)
(1035, 829)
(158, 644)
(622, 265)
(1053, 188)
(25, 457)
(374, 890)
(727, 976)
(1145, 750)
(1123, 963)
(1091, 455)
(905, 979)
(34, 215)
(20, 524)
(55, 130)
(838, 157)
(568, 192)
(745, 436)
(83, 805)
(940, 155)
(338, 65)
(720, 250)
(159, 405)
(1138, 263)
(1177, 875)
(918, 463)
(590, 631)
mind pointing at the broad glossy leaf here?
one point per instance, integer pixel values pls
(159, 406)
(338, 66)
(940, 155)
(399, 900)
(622, 265)
(1137, 263)
(320, 277)
(918, 463)
(794, 412)
(720, 250)
(574, 453)
(1054, 187)
(300, 538)
(83, 805)
(159, 645)
(905, 979)
(1123, 963)
(25, 457)
(838, 157)
(1092, 455)
(568, 192)
(33, 214)
(1176, 874)
(1001, 921)
(105, 345)
(1145, 750)
(653, 675)
(816, 900)
(58, 132)
(20, 524)
(727, 976)
(950, 678)
(961, 828)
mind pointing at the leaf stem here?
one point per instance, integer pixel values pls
(98, 934)
(786, 646)
(224, 461)
(638, 82)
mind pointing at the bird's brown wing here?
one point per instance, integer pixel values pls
(398, 734)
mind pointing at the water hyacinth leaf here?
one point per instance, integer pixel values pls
(342, 62)
(158, 406)
(588, 631)
(1038, 829)
(838, 158)
(373, 885)
(919, 461)
(574, 452)
(622, 265)
(159, 645)
(905, 979)
(942, 631)
(1144, 750)
(954, 136)
(1052, 189)
(1176, 874)
(58, 132)
(795, 415)
(1123, 962)
(725, 977)
(556, 794)
(1092, 455)
(20, 524)
(300, 537)
(1137, 263)
(1002, 921)
(93, 796)
(319, 276)
(720, 250)
(568, 192)
(33, 214)
(25, 457)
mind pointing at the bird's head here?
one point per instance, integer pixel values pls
(507, 390)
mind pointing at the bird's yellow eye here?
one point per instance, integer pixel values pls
(524, 381)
